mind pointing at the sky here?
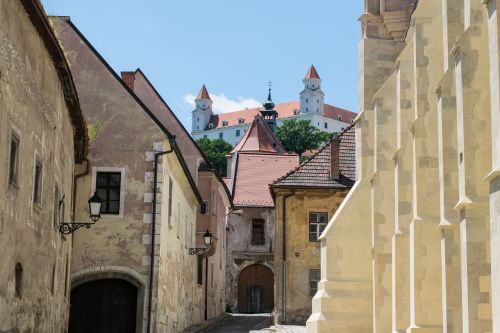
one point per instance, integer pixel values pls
(235, 47)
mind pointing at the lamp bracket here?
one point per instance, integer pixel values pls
(195, 250)
(69, 228)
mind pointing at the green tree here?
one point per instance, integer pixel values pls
(216, 151)
(298, 136)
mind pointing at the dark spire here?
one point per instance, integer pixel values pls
(269, 105)
(269, 114)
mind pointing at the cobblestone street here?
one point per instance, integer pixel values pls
(252, 324)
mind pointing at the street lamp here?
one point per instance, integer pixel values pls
(95, 204)
(207, 240)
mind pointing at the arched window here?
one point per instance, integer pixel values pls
(210, 126)
(18, 280)
(339, 117)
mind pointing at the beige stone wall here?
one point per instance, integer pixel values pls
(32, 107)
(428, 135)
(301, 254)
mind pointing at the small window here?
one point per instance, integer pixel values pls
(307, 109)
(241, 121)
(326, 125)
(210, 126)
(224, 123)
(198, 119)
(307, 100)
(221, 135)
(317, 110)
(200, 270)
(13, 159)
(314, 278)
(18, 280)
(108, 186)
(37, 184)
(317, 223)
(295, 112)
(317, 101)
(258, 232)
(204, 207)
(238, 132)
(339, 117)
(170, 190)
(197, 127)
(205, 136)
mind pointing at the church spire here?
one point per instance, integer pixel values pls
(269, 114)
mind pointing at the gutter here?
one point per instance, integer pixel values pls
(153, 230)
(283, 267)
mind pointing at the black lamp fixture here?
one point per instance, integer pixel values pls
(207, 240)
(95, 204)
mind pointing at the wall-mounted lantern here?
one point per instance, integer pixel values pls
(207, 240)
(95, 204)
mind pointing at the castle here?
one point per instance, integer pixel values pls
(232, 126)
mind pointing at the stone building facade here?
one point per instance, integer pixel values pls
(421, 221)
(137, 256)
(213, 190)
(42, 144)
(305, 200)
(253, 165)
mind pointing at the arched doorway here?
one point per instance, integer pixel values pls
(103, 306)
(256, 290)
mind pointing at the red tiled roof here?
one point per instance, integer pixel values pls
(203, 94)
(255, 172)
(228, 182)
(312, 74)
(285, 110)
(260, 139)
(315, 172)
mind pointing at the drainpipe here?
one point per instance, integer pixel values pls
(153, 227)
(284, 268)
(206, 288)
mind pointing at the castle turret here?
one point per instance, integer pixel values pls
(312, 97)
(269, 114)
(203, 112)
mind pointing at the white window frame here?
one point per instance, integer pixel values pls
(95, 170)
(318, 225)
(311, 281)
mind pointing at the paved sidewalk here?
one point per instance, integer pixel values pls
(283, 329)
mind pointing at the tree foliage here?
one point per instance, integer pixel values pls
(299, 136)
(216, 151)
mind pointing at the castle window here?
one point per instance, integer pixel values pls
(238, 132)
(224, 123)
(13, 159)
(221, 135)
(210, 126)
(307, 109)
(314, 278)
(307, 100)
(339, 117)
(257, 232)
(18, 280)
(37, 184)
(205, 136)
(108, 187)
(197, 127)
(317, 223)
(326, 125)
(198, 119)
(241, 121)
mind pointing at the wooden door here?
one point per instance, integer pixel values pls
(103, 306)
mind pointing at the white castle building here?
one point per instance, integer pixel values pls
(232, 125)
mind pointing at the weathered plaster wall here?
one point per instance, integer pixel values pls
(301, 254)
(32, 106)
(241, 253)
(422, 186)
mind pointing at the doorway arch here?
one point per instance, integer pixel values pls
(105, 305)
(256, 289)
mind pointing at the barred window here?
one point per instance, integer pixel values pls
(317, 223)
(314, 278)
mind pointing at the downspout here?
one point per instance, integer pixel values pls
(206, 288)
(153, 227)
(284, 268)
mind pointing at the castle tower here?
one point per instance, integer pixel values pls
(201, 115)
(269, 114)
(312, 98)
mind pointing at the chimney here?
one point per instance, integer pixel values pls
(129, 78)
(335, 157)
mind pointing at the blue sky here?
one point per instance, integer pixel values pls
(233, 46)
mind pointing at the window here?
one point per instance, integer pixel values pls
(37, 184)
(317, 109)
(241, 121)
(197, 127)
(314, 278)
(108, 185)
(295, 112)
(13, 159)
(170, 190)
(198, 119)
(326, 125)
(317, 223)
(257, 232)
(339, 117)
(307, 100)
(221, 135)
(204, 208)
(200, 270)
(238, 132)
(307, 109)
(210, 126)
(224, 123)
(18, 280)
